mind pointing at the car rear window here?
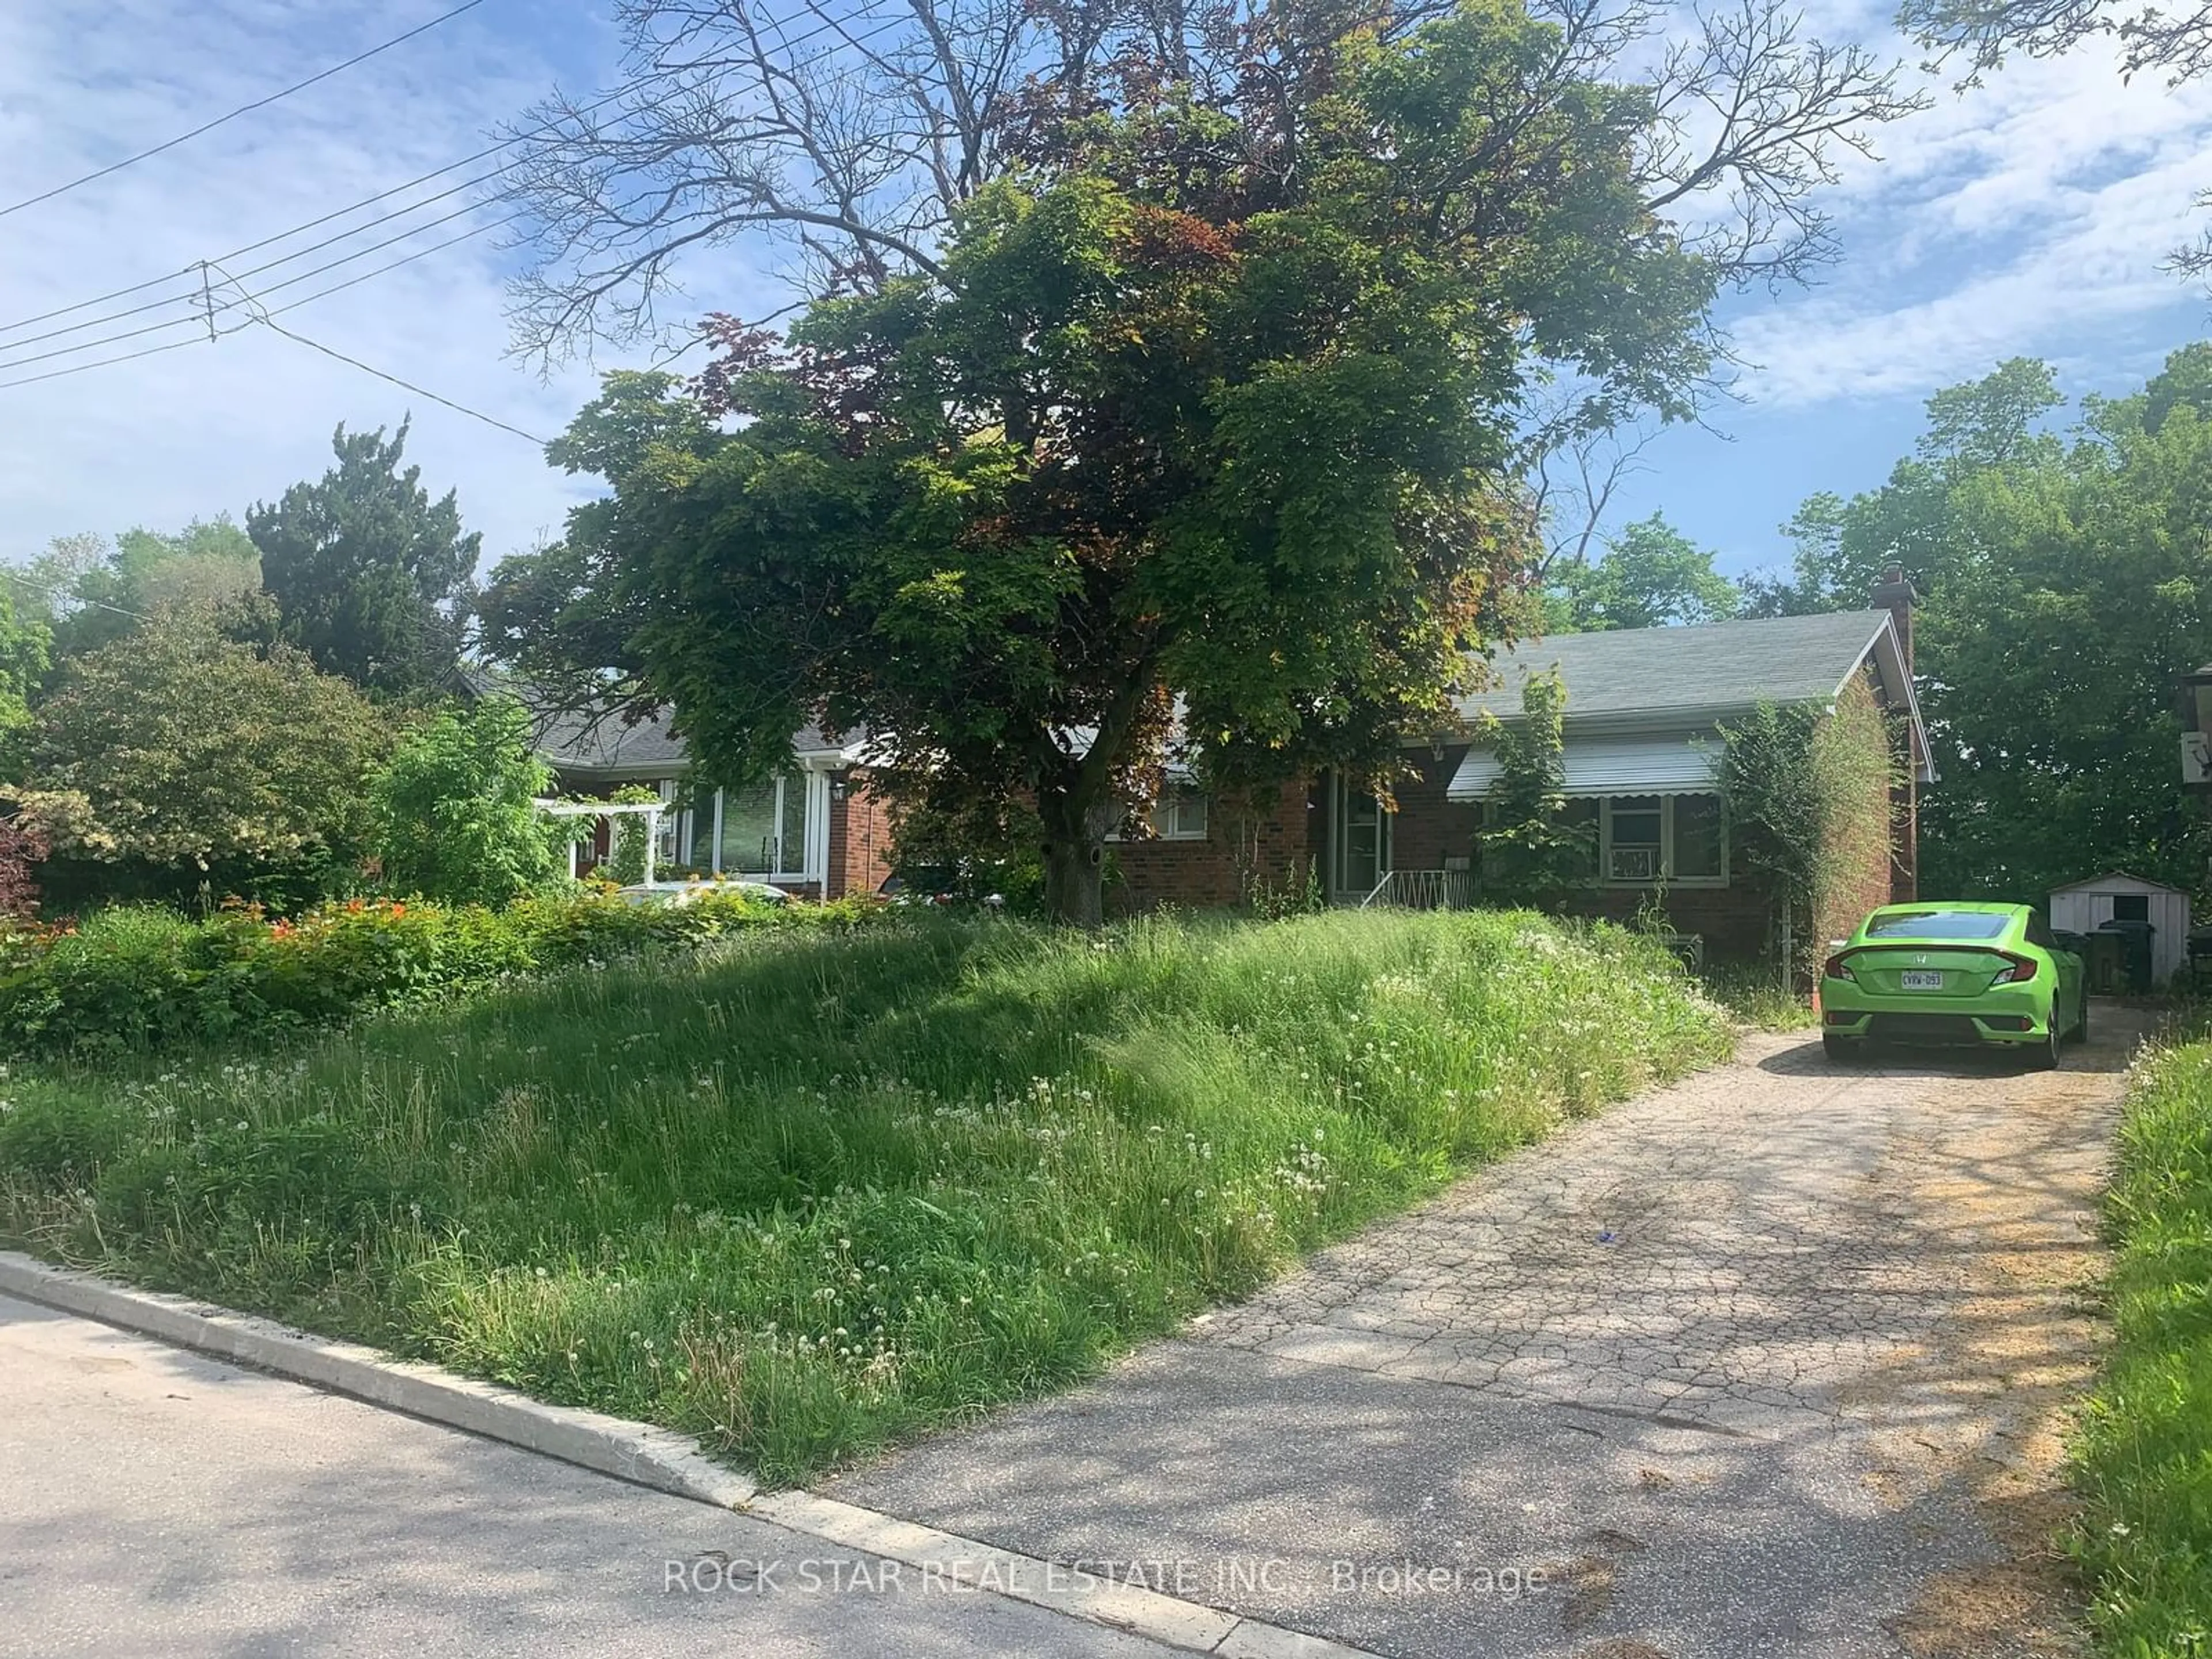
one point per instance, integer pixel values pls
(1939, 924)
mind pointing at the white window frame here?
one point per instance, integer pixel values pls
(1665, 874)
(1171, 812)
(1169, 826)
(813, 848)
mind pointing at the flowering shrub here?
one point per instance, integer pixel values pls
(143, 977)
(22, 848)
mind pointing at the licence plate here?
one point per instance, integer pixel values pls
(1920, 981)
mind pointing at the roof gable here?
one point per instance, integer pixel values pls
(2116, 881)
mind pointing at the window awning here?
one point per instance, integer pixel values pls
(1682, 765)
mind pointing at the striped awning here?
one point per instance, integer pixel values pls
(1687, 764)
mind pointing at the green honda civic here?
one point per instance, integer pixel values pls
(1958, 975)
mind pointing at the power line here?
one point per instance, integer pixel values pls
(190, 296)
(205, 316)
(209, 309)
(265, 319)
(624, 91)
(74, 369)
(419, 254)
(405, 386)
(285, 235)
(94, 345)
(16, 575)
(243, 109)
(263, 316)
(631, 88)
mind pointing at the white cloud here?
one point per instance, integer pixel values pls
(214, 426)
(2028, 216)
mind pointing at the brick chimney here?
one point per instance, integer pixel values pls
(1896, 594)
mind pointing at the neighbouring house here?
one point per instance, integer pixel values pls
(2086, 907)
(1643, 745)
(816, 830)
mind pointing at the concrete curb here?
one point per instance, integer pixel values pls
(657, 1458)
(1098, 1600)
(609, 1445)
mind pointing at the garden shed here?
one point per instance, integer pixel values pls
(2083, 907)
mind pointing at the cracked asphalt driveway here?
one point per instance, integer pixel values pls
(1770, 1362)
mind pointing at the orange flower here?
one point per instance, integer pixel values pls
(398, 909)
(356, 906)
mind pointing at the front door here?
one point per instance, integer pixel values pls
(1361, 840)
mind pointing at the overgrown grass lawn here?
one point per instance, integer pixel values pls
(801, 1194)
(2144, 1455)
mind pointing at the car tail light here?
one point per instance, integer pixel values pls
(1838, 966)
(2017, 971)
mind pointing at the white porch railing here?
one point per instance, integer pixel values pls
(1422, 890)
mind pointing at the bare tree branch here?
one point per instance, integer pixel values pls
(850, 131)
(1750, 117)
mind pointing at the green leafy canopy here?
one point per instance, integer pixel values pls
(372, 578)
(2067, 582)
(177, 746)
(1169, 424)
(456, 818)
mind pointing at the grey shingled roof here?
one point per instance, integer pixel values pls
(1709, 666)
(600, 742)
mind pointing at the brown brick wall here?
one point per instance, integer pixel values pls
(1275, 837)
(1429, 829)
(860, 836)
(1262, 839)
(1868, 844)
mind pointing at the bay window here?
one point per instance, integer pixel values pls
(762, 829)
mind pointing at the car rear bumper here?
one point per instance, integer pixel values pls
(2000, 1018)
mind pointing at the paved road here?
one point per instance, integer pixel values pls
(1767, 1363)
(156, 1502)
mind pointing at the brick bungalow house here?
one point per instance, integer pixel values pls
(815, 830)
(1643, 749)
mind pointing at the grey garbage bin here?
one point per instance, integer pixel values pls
(2105, 956)
(2135, 938)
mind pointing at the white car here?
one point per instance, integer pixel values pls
(689, 892)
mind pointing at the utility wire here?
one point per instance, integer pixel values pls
(94, 345)
(405, 386)
(335, 213)
(205, 316)
(73, 368)
(16, 575)
(263, 316)
(206, 309)
(192, 297)
(629, 89)
(419, 254)
(243, 109)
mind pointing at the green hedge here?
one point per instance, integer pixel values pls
(141, 978)
(2143, 1457)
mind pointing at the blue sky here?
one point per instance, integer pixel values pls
(2025, 218)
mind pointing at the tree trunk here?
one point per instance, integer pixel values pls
(1074, 859)
(1074, 879)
